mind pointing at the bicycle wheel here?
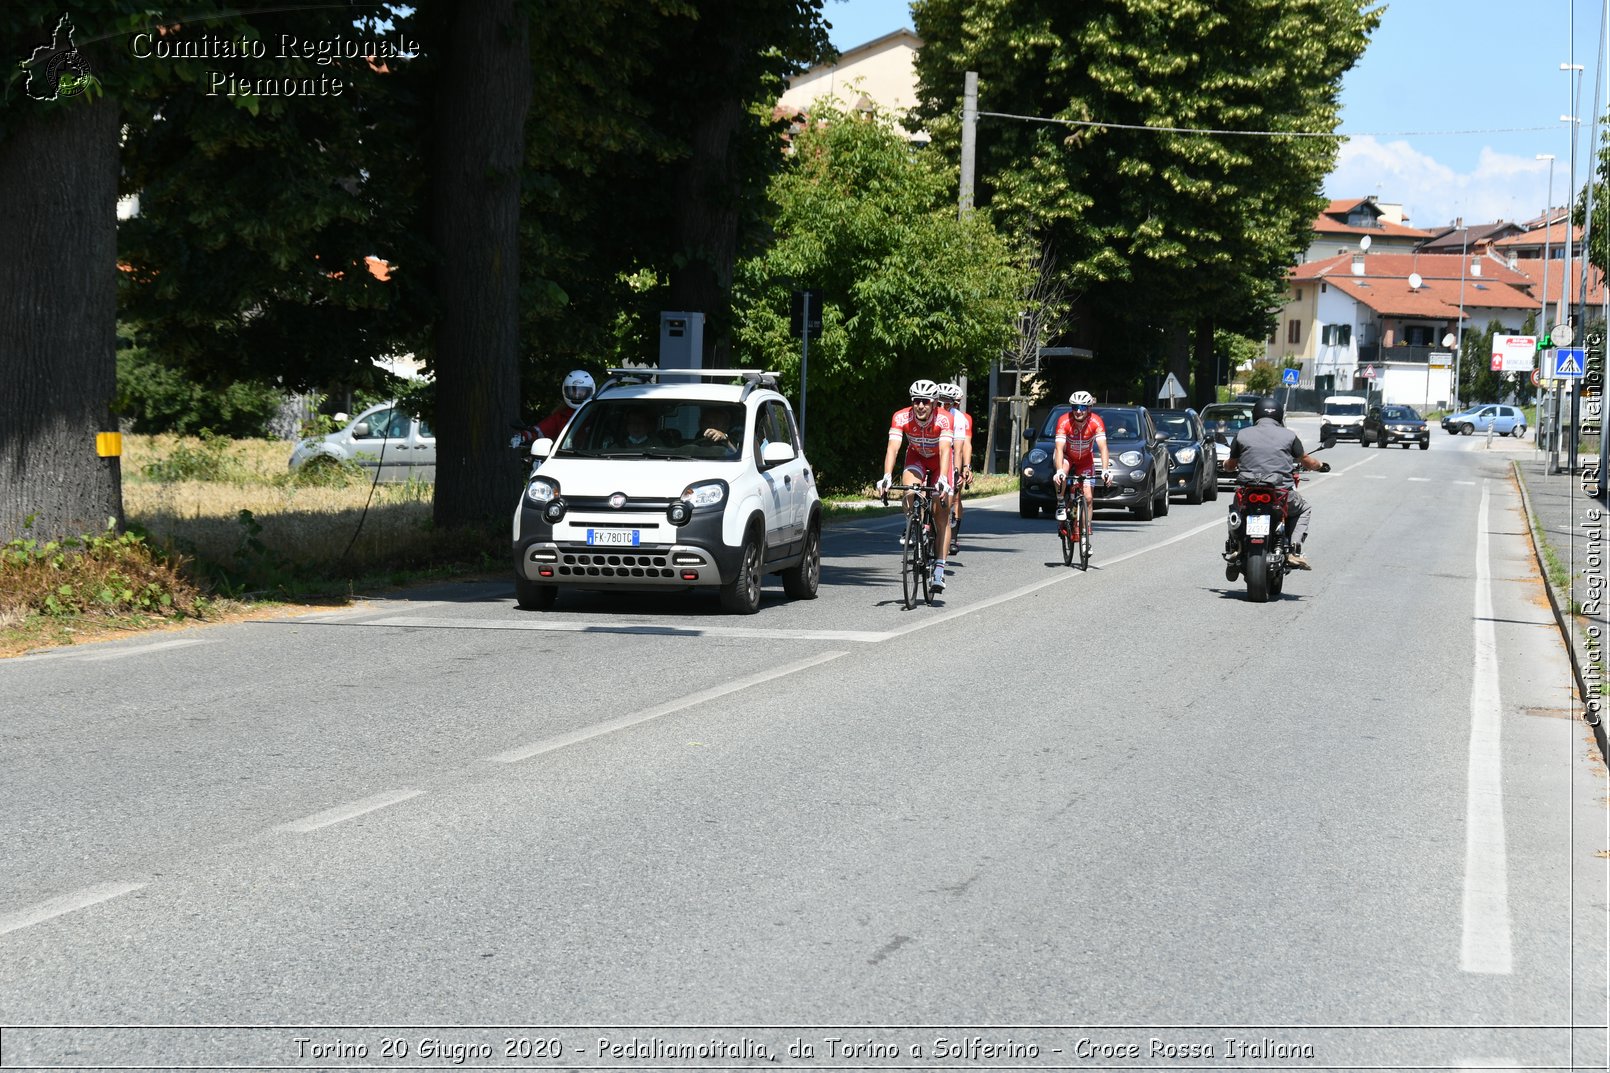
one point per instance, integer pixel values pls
(1084, 533)
(911, 561)
(925, 567)
(1065, 531)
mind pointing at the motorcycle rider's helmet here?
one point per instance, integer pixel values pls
(924, 389)
(1268, 407)
(578, 388)
(951, 393)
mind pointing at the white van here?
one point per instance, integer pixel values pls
(1342, 417)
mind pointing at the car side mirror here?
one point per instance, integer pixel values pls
(1159, 437)
(1327, 437)
(776, 453)
(542, 448)
(1028, 436)
(361, 430)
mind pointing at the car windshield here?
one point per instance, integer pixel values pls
(1345, 409)
(1177, 426)
(1121, 424)
(655, 428)
(1399, 413)
(1226, 420)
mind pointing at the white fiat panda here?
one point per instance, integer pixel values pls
(672, 479)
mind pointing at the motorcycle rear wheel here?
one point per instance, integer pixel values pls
(1257, 572)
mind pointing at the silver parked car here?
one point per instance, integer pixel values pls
(386, 437)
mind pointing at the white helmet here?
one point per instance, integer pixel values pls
(950, 392)
(578, 388)
(1082, 398)
(924, 389)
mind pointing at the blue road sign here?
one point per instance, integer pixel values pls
(1569, 363)
(1290, 376)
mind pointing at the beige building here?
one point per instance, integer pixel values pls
(881, 72)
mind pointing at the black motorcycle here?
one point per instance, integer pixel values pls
(1259, 530)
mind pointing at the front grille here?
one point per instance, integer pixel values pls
(615, 564)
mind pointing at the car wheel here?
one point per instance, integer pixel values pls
(1212, 492)
(1161, 510)
(530, 596)
(1467, 428)
(1382, 440)
(741, 595)
(1197, 492)
(802, 581)
(1425, 445)
(1519, 432)
(1026, 508)
(1146, 508)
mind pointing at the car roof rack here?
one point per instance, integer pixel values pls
(752, 378)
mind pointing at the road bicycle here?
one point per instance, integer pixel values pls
(1074, 530)
(917, 555)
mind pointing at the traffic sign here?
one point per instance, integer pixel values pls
(1514, 353)
(1369, 372)
(1171, 389)
(1290, 376)
(1536, 377)
(1569, 363)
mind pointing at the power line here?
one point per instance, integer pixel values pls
(1264, 133)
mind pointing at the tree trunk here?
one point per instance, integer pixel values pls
(1205, 388)
(483, 94)
(58, 319)
(707, 226)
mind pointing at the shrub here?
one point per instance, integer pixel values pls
(213, 459)
(110, 574)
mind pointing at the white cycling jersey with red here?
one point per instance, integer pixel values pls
(922, 441)
(961, 430)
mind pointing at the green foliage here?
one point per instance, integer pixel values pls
(908, 290)
(1234, 352)
(1156, 227)
(213, 459)
(106, 574)
(155, 397)
(1264, 379)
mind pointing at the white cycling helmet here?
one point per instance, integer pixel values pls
(924, 389)
(950, 392)
(1082, 398)
(578, 388)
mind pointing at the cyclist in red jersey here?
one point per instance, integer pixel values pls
(1080, 435)
(961, 454)
(926, 429)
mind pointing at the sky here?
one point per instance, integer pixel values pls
(1446, 111)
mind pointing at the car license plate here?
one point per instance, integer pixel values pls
(614, 537)
(1258, 525)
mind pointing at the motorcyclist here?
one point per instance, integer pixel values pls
(577, 388)
(1268, 450)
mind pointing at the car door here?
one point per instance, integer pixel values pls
(783, 484)
(380, 439)
(423, 450)
(1484, 418)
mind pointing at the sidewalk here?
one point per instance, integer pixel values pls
(1573, 522)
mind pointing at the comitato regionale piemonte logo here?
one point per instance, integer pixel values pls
(56, 70)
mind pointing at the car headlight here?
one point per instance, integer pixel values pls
(705, 494)
(1185, 455)
(1037, 456)
(1129, 458)
(541, 490)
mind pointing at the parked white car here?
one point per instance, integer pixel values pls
(672, 479)
(385, 437)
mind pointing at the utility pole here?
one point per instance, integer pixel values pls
(969, 141)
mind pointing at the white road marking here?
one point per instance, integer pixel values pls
(1419, 478)
(125, 653)
(609, 726)
(67, 903)
(1376, 476)
(1465, 482)
(330, 817)
(1498, 1065)
(1485, 944)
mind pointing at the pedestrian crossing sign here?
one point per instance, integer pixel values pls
(1569, 363)
(1289, 376)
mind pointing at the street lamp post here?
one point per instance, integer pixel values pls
(1459, 339)
(1543, 308)
(1566, 314)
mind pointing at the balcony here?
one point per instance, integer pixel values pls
(1372, 353)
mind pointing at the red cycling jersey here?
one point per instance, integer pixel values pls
(922, 441)
(1079, 441)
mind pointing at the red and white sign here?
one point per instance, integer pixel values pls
(1514, 353)
(1369, 372)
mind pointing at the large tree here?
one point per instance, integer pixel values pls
(908, 290)
(1166, 223)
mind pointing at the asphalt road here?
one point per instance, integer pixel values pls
(1117, 819)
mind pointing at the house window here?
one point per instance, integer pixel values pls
(1299, 294)
(1294, 331)
(1417, 335)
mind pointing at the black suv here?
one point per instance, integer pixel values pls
(1394, 423)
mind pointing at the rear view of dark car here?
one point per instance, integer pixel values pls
(1135, 448)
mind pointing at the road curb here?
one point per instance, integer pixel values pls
(1576, 644)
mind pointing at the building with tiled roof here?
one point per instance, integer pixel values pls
(1393, 310)
(1342, 224)
(1540, 238)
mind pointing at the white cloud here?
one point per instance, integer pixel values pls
(1502, 187)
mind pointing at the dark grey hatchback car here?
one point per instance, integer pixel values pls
(1139, 456)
